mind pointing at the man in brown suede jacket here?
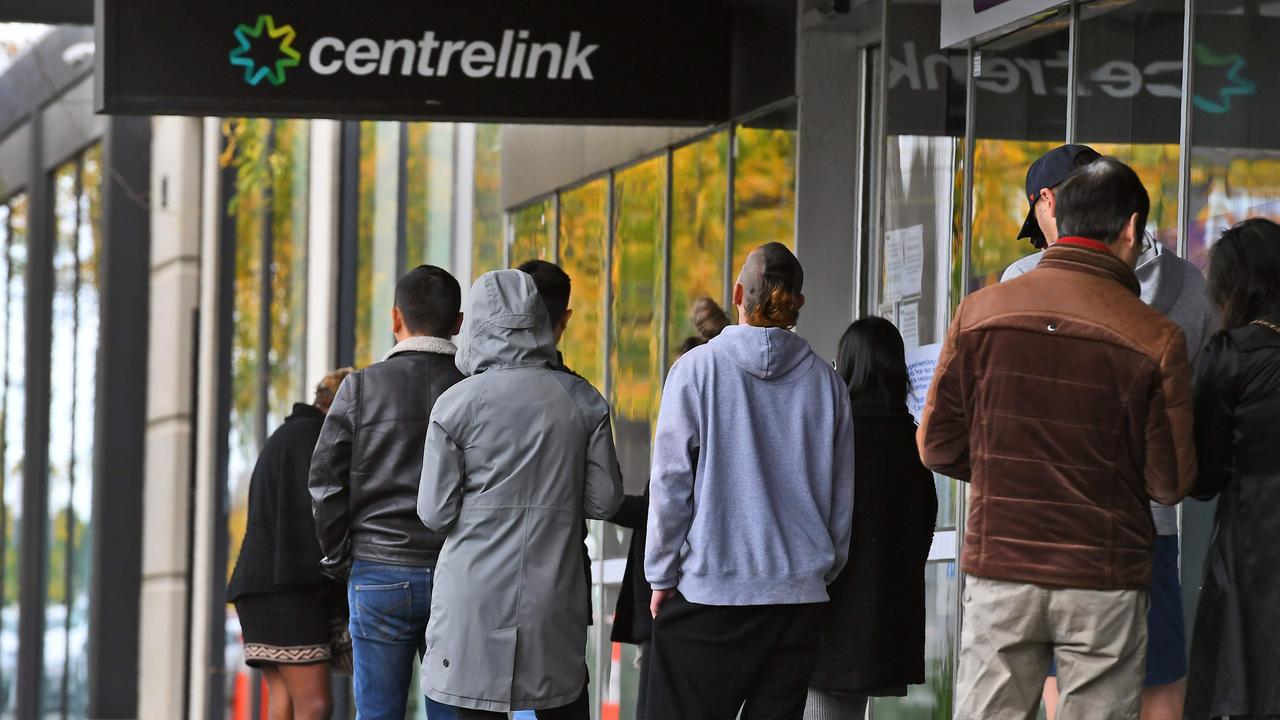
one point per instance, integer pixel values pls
(1065, 402)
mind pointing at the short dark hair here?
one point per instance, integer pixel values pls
(429, 299)
(1097, 200)
(873, 362)
(553, 285)
(1244, 273)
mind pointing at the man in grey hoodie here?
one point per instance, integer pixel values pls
(1175, 288)
(751, 508)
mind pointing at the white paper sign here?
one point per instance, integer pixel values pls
(909, 325)
(920, 365)
(903, 262)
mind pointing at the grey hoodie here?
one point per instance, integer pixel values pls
(751, 494)
(1175, 288)
(515, 456)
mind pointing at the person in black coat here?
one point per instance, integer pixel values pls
(873, 628)
(287, 608)
(1235, 656)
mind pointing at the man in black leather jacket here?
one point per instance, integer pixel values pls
(364, 488)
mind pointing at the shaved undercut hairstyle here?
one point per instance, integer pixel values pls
(772, 280)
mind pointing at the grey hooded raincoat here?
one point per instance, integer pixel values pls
(515, 455)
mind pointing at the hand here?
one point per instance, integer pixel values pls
(659, 597)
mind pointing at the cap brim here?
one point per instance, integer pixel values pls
(1030, 226)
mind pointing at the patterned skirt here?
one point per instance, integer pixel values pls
(291, 627)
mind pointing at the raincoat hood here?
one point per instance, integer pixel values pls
(766, 353)
(506, 325)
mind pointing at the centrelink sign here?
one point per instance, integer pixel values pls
(658, 61)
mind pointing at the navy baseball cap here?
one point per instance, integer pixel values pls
(1050, 171)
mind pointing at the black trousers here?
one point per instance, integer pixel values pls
(708, 661)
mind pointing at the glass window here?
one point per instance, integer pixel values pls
(583, 242)
(378, 238)
(286, 358)
(268, 212)
(1020, 113)
(922, 185)
(635, 327)
(699, 185)
(1235, 153)
(429, 198)
(73, 382)
(1128, 96)
(13, 256)
(533, 232)
(764, 184)
(932, 700)
(486, 230)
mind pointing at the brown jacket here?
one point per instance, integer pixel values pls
(1066, 403)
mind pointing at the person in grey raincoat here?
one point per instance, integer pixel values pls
(516, 455)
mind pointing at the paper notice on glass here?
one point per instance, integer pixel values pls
(889, 311)
(909, 325)
(920, 365)
(903, 262)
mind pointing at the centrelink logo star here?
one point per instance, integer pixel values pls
(285, 55)
(1240, 85)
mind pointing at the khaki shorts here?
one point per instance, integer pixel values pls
(1012, 630)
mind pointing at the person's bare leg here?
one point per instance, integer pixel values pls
(1164, 702)
(1050, 697)
(281, 708)
(309, 689)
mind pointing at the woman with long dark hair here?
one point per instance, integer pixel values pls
(1235, 656)
(873, 629)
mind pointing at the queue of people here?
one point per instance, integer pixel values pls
(433, 505)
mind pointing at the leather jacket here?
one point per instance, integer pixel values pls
(368, 463)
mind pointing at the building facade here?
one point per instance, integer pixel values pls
(171, 285)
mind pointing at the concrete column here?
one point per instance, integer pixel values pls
(322, 249)
(827, 206)
(174, 281)
(204, 523)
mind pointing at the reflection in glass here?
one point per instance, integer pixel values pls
(286, 357)
(764, 188)
(933, 700)
(699, 184)
(268, 212)
(533, 232)
(13, 255)
(1235, 154)
(1020, 113)
(486, 229)
(377, 238)
(583, 239)
(428, 208)
(1128, 100)
(73, 373)
(635, 330)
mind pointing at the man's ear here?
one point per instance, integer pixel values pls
(1051, 202)
(564, 321)
(800, 301)
(739, 294)
(397, 321)
(1133, 233)
(457, 325)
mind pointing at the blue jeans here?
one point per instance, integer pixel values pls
(390, 606)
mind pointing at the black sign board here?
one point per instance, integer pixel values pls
(609, 61)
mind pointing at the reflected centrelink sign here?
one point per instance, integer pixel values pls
(660, 61)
